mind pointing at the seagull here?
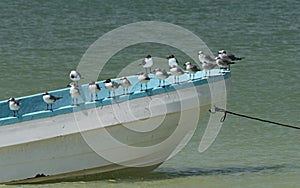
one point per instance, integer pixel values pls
(176, 72)
(75, 76)
(14, 105)
(172, 60)
(223, 63)
(94, 89)
(125, 83)
(143, 79)
(50, 99)
(161, 75)
(74, 92)
(192, 69)
(147, 63)
(111, 86)
(223, 55)
(207, 67)
(205, 57)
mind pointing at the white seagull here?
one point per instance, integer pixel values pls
(205, 57)
(49, 100)
(176, 72)
(125, 83)
(14, 106)
(192, 69)
(94, 89)
(75, 76)
(147, 63)
(172, 61)
(161, 75)
(143, 79)
(75, 93)
(111, 86)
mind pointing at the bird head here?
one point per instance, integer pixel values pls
(187, 63)
(222, 52)
(157, 69)
(170, 56)
(108, 81)
(72, 84)
(11, 99)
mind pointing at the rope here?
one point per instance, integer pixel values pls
(249, 117)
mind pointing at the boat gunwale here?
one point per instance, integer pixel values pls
(105, 101)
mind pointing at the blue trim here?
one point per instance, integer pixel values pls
(33, 106)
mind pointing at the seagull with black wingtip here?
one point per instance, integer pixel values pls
(143, 79)
(125, 83)
(94, 89)
(147, 63)
(176, 72)
(231, 57)
(49, 100)
(14, 106)
(74, 93)
(223, 63)
(172, 61)
(111, 86)
(161, 75)
(192, 69)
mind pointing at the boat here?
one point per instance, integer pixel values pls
(126, 133)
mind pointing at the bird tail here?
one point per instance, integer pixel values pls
(239, 58)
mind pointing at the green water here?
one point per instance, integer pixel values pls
(41, 41)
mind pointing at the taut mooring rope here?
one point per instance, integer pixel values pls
(217, 109)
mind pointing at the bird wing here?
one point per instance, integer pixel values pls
(98, 86)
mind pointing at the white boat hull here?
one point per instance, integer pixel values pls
(137, 134)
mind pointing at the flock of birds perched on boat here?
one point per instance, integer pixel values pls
(223, 60)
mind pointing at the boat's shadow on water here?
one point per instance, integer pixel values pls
(174, 173)
(169, 173)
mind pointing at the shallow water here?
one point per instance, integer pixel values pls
(42, 41)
